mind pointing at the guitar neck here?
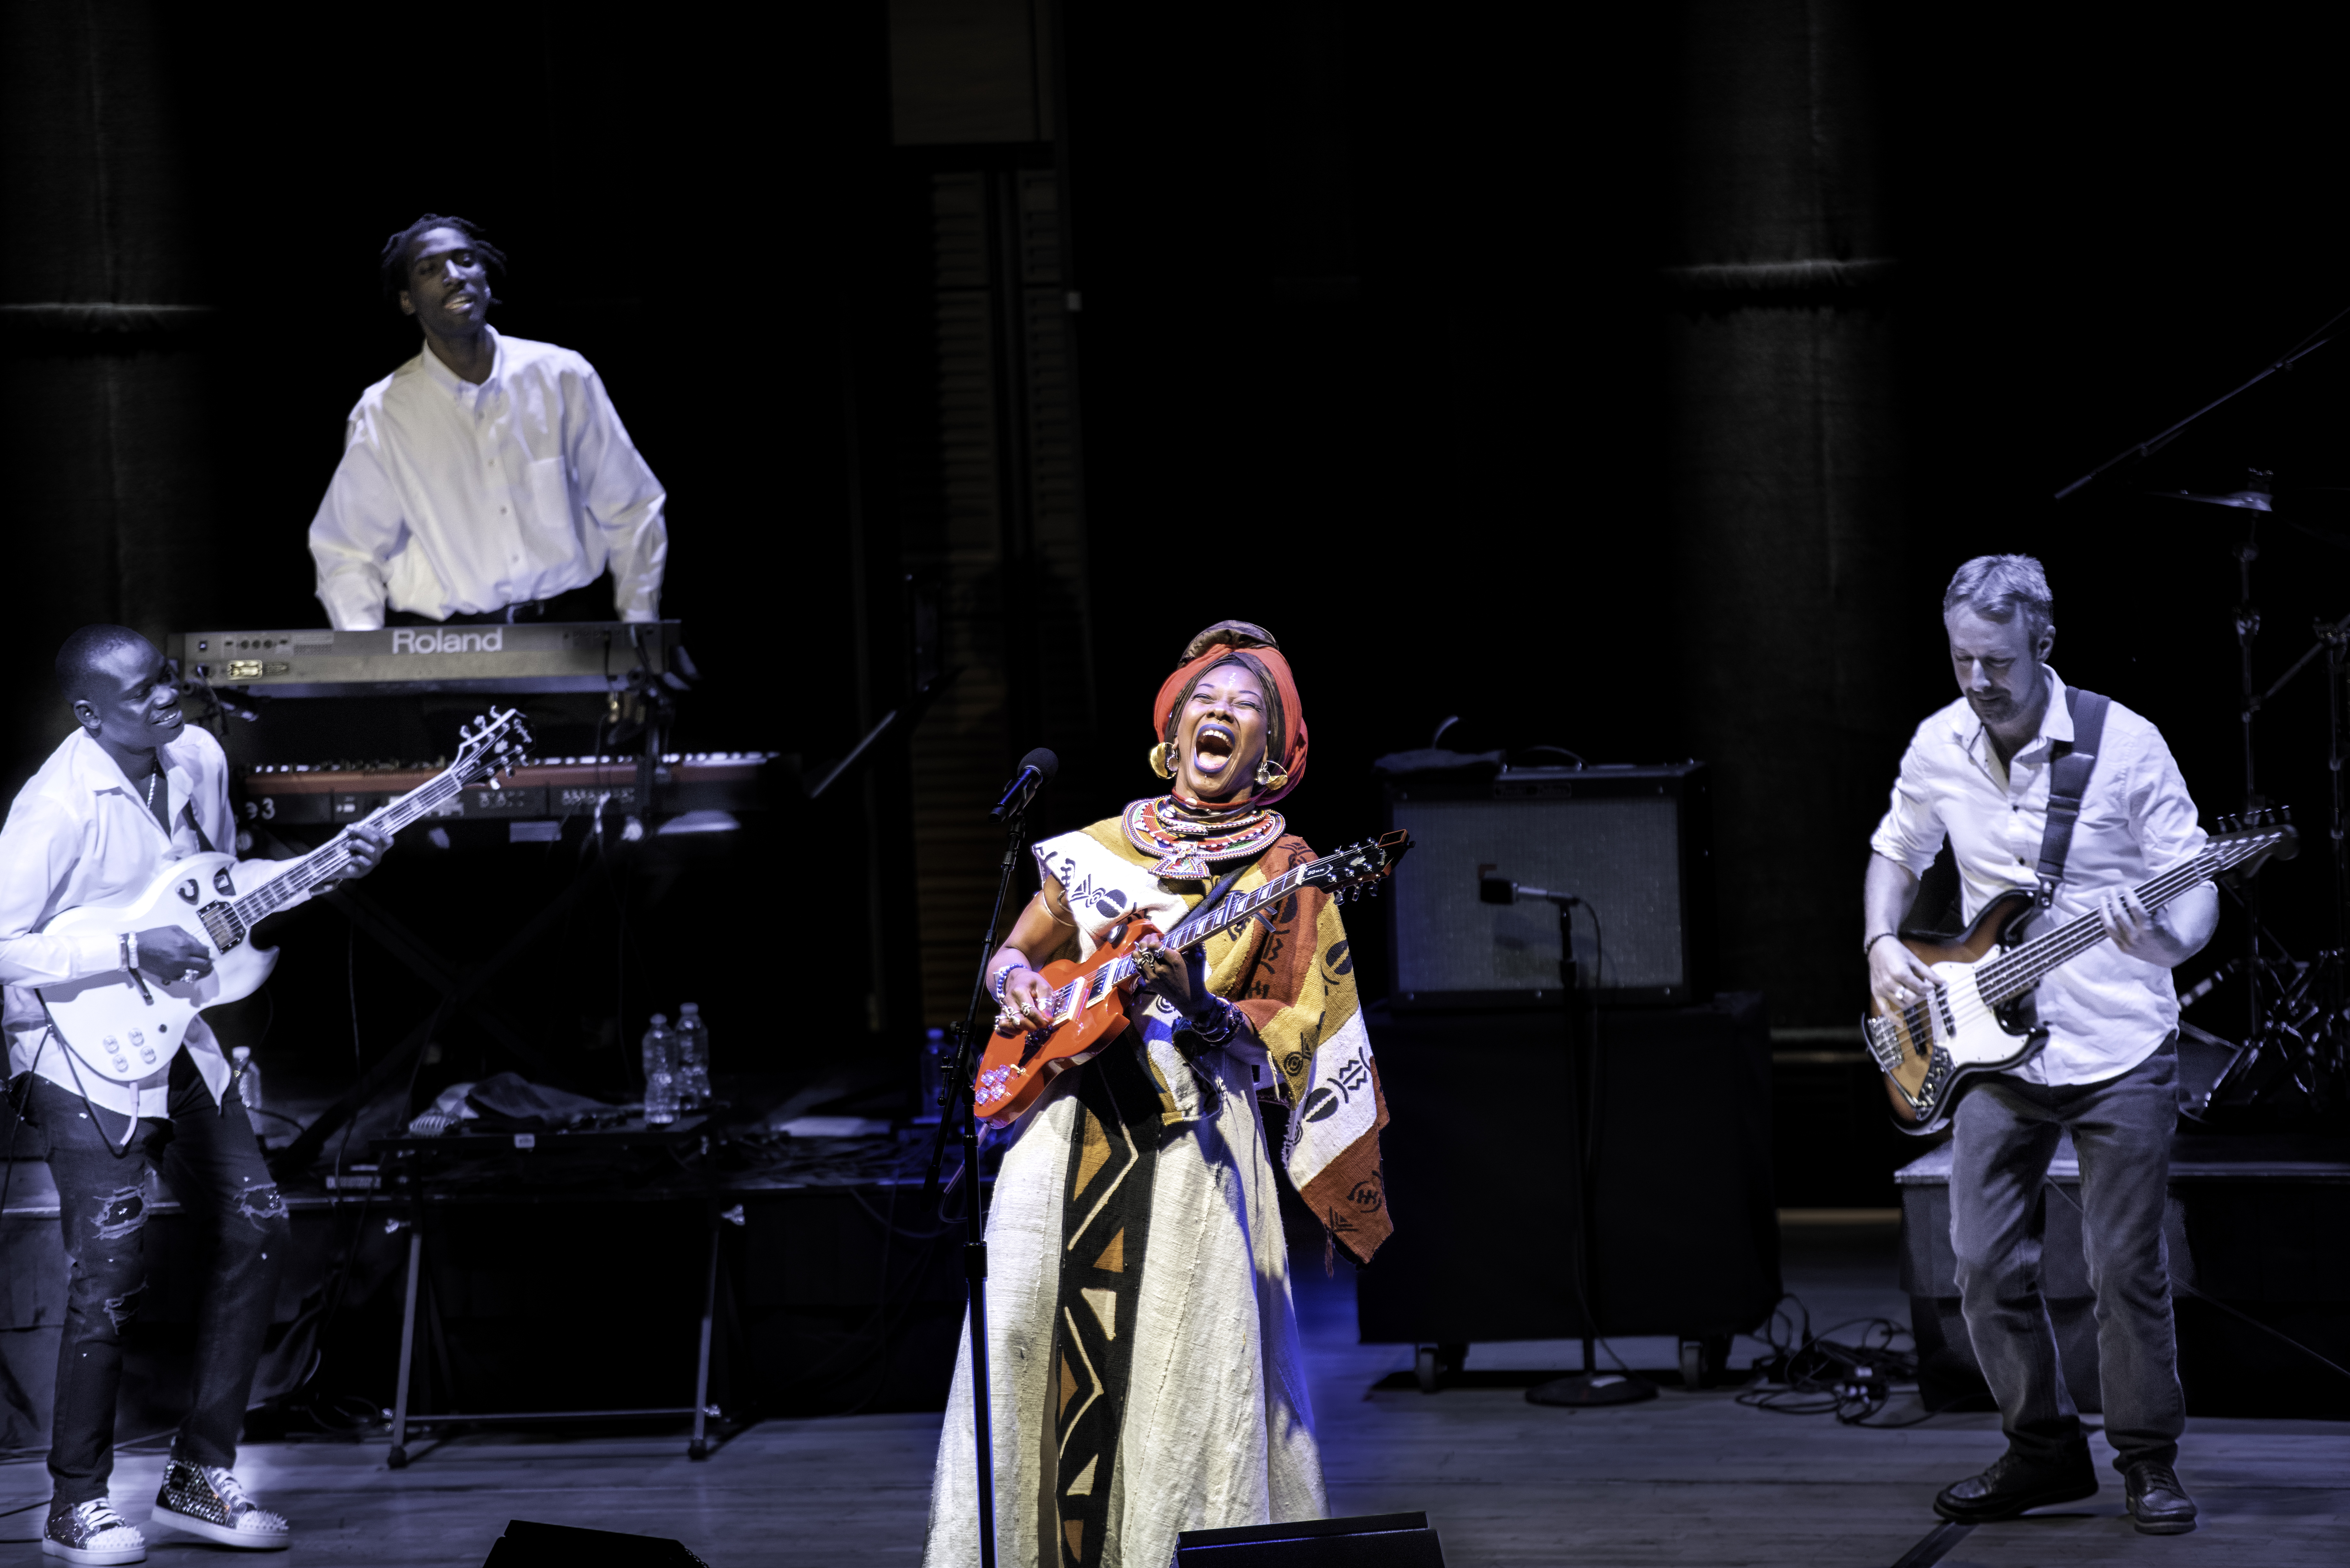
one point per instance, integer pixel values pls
(2013, 973)
(1231, 912)
(331, 860)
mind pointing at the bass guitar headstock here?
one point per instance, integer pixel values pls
(1358, 870)
(499, 743)
(2242, 842)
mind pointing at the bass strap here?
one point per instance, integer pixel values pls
(2068, 785)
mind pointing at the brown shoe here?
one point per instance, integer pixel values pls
(2158, 1505)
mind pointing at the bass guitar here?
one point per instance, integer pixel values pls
(1088, 1008)
(1979, 1019)
(123, 1026)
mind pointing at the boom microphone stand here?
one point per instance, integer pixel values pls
(1036, 770)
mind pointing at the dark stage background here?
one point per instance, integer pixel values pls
(1443, 342)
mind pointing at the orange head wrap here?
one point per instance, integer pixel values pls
(1239, 643)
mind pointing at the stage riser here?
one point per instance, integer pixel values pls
(2260, 1235)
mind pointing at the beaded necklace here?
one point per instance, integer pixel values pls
(1189, 843)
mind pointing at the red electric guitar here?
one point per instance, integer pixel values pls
(1087, 1007)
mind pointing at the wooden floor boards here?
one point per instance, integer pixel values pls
(1685, 1478)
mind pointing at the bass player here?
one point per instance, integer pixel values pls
(1981, 771)
(129, 791)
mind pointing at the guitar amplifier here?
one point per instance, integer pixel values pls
(1630, 842)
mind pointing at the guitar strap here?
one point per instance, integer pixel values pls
(1216, 895)
(2068, 785)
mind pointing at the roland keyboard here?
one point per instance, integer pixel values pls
(531, 657)
(548, 789)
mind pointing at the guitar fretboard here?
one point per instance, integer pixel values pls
(331, 861)
(2013, 973)
(1193, 930)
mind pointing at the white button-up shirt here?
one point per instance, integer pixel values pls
(79, 833)
(452, 497)
(2105, 1011)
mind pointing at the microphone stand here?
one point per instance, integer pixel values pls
(2152, 444)
(1587, 1388)
(969, 1037)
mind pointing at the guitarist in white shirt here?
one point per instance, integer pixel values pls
(1980, 770)
(128, 793)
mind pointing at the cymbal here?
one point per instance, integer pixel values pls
(2248, 499)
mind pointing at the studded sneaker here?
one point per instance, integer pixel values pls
(91, 1532)
(206, 1501)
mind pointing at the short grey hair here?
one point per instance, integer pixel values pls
(2000, 588)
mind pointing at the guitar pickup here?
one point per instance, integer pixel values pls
(222, 924)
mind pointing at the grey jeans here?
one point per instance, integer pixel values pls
(2003, 1137)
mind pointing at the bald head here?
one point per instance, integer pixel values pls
(87, 664)
(123, 695)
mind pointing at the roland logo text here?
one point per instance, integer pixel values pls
(429, 641)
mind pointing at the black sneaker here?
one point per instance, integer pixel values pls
(2158, 1505)
(2013, 1485)
(206, 1501)
(91, 1533)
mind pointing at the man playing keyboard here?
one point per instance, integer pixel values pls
(487, 478)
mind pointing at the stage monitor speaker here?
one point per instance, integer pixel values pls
(1372, 1540)
(1631, 842)
(529, 1544)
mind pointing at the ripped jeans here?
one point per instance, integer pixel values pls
(209, 1161)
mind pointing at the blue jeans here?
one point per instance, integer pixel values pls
(2003, 1137)
(210, 1161)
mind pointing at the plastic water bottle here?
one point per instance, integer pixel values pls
(248, 1076)
(660, 1073)
(692, 1058)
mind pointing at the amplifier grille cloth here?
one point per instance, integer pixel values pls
(1622, 857)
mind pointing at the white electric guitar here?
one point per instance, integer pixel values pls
(123, 1026)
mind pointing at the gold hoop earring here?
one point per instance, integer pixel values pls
(1270, 774)
(1163, 758)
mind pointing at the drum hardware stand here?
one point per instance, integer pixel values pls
(1587, 1388)
(2300, 1029)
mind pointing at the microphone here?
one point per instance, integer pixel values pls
(1491, 890)
(1036, 771)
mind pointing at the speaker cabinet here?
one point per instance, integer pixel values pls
(1372, 1540)
(1631, 842)
(1685, 1233)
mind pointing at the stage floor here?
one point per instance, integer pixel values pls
(1685, 1478)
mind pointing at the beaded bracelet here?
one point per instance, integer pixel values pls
(1220, 1033)
(1002, 978)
